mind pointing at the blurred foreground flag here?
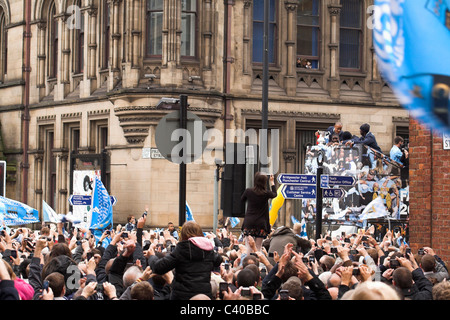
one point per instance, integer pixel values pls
(49, 214)
(189, 215)
(375, 209)
(412, 43)
(102, 212)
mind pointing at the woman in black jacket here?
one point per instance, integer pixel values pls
(193, 259)
(256, 222)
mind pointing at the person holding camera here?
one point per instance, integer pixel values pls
(410, 280)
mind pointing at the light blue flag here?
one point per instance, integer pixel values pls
(189, 216)
(303, 233)
(412, 43)
(98, 234)
(49, 214)
(234, 221)
(17, 213)
(102, 209)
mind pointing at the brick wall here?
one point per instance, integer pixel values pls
(429, 189)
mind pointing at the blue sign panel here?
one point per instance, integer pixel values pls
(298, 191)
(330, 181)
(83, 200)
(333, 193)
(292, 178)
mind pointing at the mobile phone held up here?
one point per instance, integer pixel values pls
(45, 285)
(284, 294)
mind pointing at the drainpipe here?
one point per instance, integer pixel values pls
(26, 112)
(228, 59)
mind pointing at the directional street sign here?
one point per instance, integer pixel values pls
(292, 178)
(298, 191)
(83, 200)
(330, 181)
(80, 200)
(333, 193)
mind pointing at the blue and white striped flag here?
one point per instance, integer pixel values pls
(375, 209)
(189, 216)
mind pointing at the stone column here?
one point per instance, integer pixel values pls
(136, 33)
(65, 72)
(62, 181)
(38, 158)
(289, 156)
(207, 34)
(115, 48)
(334, 10)
(246, 52)
(171, 53)
(42, 28)
(290, 80)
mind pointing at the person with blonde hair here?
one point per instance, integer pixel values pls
(372, 290)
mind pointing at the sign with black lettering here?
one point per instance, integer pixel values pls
(446, 141)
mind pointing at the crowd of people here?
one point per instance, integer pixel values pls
(139, 263)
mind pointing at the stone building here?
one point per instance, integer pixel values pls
(81, 79)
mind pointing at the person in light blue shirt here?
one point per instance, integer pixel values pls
(396, 152)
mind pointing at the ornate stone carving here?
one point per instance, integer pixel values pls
(334, 9)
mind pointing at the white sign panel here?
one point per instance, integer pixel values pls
(446, 141)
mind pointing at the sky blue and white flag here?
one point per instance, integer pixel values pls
(17, 213)
(102, 209)
(412, 43)
(49, 215)
(303, 233)
(234, 221)
(189, 216)
(98, 234)
(375, 209)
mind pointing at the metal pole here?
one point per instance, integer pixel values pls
(319, 198)
(265, 86)
(184, 155)
(216, 198)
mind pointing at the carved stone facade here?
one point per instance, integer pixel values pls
(110, 104)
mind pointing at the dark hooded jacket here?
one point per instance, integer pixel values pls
(193, 261)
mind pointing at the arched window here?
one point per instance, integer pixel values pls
(351, 42)
(188, 28)
(308, 34)
(3, 46)
(53, 42)
(258, 30)
(154, 27)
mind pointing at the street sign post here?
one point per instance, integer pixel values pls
(298, 191)
(292, 178)
(331, 181)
